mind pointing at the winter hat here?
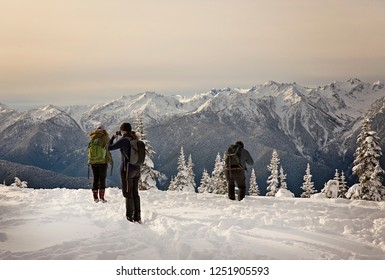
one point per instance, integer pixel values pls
(125, 127)
(240, 144)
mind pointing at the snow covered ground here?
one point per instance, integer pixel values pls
(63, 224)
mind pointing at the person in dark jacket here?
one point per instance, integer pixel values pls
(129, 173)
(236, 174)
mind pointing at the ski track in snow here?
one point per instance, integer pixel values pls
(67, 224)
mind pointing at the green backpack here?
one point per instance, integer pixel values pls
(96, 151)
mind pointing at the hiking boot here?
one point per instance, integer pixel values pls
(130, 209)
(101, 195)
(95, 194)
(137, 219)
(130, 219)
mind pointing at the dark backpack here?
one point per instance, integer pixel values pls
(233, 157)
(138, 152)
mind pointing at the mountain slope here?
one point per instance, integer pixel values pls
(37, 177)
(47, 138)
(315, 125)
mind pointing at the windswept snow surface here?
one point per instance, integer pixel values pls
(65, 224)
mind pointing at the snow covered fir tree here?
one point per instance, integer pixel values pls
(205, 183)
(308, 185)
(282, 178)
(191, 174)
(19, 183)
(218, 176)
(253, 186)
(331, 188)
(342, 186)
(148, 175)
(273, 180)
(367, 166)
(183, 181)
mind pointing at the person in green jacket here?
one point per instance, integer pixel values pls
(99, 157)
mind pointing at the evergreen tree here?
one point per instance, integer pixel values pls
(205, 183)
(191, 186)
(336, 176)
(218, 176)
(181, 182)
(172, 186)
(18, 183)
(282, 177)
(308, 185)
(354, 192)
(148, 175)
(272, 181)
(367, 164)
(331, 188)
(254, 189)
(342, 187)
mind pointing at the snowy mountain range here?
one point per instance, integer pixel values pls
(315, 125)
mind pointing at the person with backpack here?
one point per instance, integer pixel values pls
(99, 157)
(236, 159)
(129, 169)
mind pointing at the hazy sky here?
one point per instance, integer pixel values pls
(88, 51)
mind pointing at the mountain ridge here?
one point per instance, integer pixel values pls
(315, 125)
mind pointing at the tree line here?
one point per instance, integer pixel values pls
(366, 167)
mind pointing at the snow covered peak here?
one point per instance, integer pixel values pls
(292, 96)
(343, 100)
(7, 116)
(152, 106)
(4, 108)
(271, 84)
(378, 85)
(354, 81)
(45, 113)
(48, 107)
(213, 91)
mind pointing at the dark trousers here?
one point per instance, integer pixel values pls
(130, 190)
(236, 176)
(100, 173)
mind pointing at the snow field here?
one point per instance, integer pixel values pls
(67, 224)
